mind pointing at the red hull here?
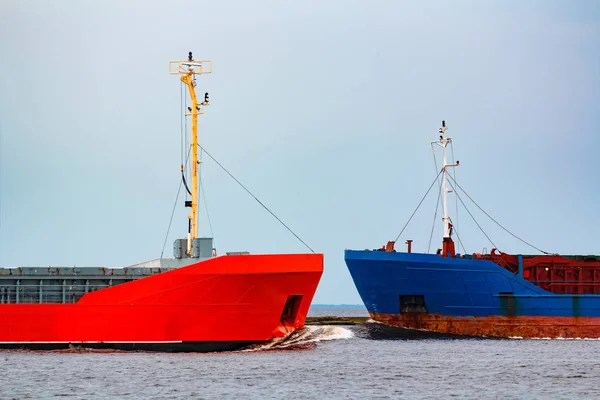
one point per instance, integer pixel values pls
(497, 326)
(228, 300)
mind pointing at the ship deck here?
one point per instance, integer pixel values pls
(66, 285)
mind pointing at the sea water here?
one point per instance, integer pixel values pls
(367, 361)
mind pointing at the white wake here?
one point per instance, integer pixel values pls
(305, 336)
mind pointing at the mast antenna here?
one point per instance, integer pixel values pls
(188, 69)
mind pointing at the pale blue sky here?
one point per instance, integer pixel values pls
(324, 109)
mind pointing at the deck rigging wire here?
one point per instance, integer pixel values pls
(437, 204)
(474, 220)
(455, 203)
(255, 198)
(170, 221)
(173, 212)
(469, 212)
(182, 117)
(204, 196)
(457, 235)
(419, 205)
(435, 164)
(496, 222)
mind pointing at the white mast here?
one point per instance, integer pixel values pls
(443, 143)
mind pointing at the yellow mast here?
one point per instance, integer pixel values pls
(188, 69)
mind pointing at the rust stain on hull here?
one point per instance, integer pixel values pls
(497, 326)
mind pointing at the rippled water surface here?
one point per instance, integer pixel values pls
(326, 362)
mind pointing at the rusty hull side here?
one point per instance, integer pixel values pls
(497, 326)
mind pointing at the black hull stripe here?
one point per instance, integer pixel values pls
(170, 347)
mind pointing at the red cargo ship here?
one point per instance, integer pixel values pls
(196, 301)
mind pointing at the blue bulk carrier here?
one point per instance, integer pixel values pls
(485, 295)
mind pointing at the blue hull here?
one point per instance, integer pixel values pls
(466, 296)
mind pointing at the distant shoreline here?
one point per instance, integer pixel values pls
(337, 306)
(335, 320)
